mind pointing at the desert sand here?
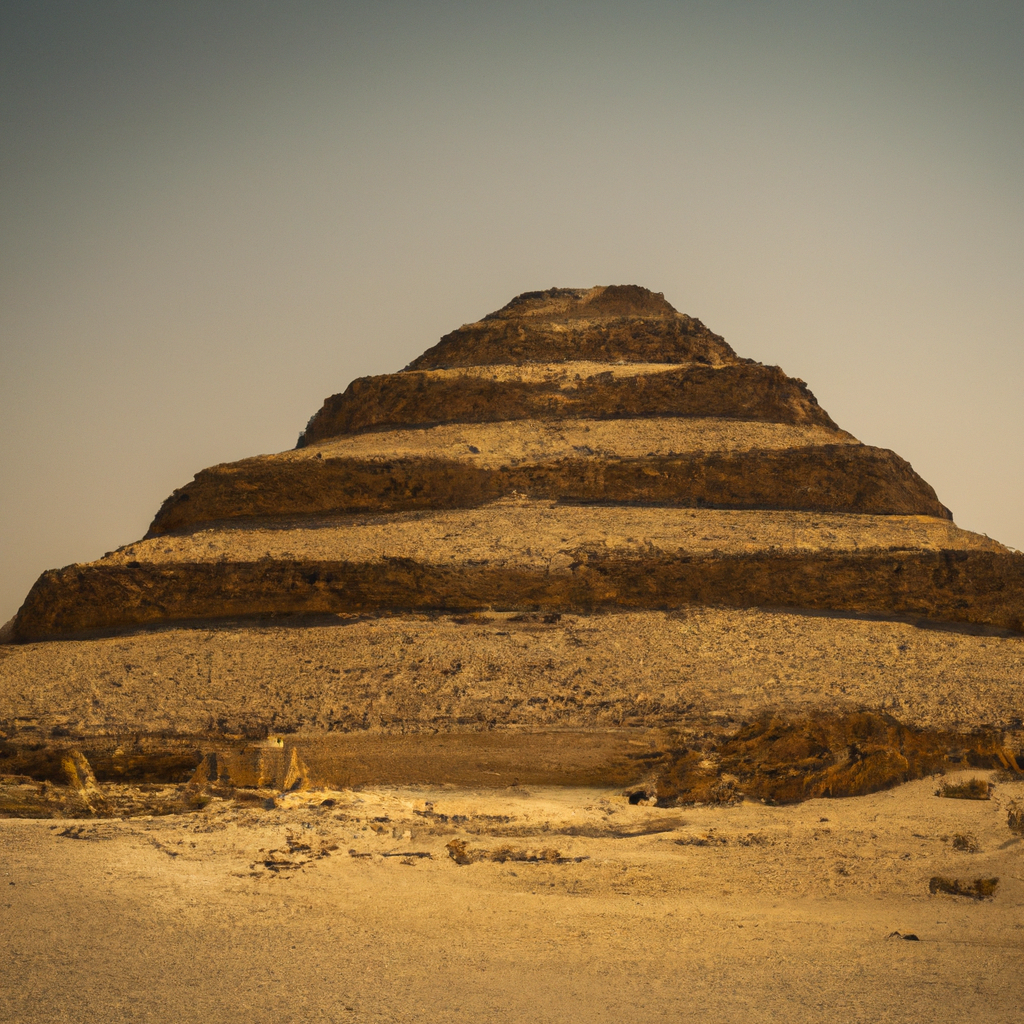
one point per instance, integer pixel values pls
(576, 906)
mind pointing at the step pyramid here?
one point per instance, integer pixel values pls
(582, 516)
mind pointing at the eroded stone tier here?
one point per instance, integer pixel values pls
(601, 450)
(976, 587)
(604, 324)
(821, 478)
(738, 392)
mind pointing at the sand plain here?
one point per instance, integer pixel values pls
(574, 906)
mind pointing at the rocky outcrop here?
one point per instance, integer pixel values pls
(851, 754)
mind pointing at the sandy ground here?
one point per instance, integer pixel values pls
(514, 442)
(547, 535)
(355, 910)
(421, 672)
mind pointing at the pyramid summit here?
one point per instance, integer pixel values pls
(582, 516)
(514, 365)
(604, 324)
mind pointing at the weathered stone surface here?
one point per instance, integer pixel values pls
(537, 534)
(744, 391)
(698, 667)
(605, 324)
(501, 694)
(517, 442)
(845, 755)
(544, 552)
(851, 754)
(964, 586)
(824, 478)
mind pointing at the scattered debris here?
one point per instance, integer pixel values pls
(1015, 817)
(979, 889)
(459, 851)
(604, 831)
(972, 789)
(711, 838)
(81, 832)
(296, 855)
(965, 842)
(404, 854)
(708, 839)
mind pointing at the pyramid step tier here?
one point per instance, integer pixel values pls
(605, 324)
(822, 478)
(518, 531)
(972, 586)
(517, 442)
(744, 391)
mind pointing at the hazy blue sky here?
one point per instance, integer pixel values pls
(216, 214)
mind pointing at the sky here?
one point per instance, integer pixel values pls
(215, 215)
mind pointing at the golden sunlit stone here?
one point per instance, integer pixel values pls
(579, 542)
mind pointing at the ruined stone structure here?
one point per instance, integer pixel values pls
(580, 539)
